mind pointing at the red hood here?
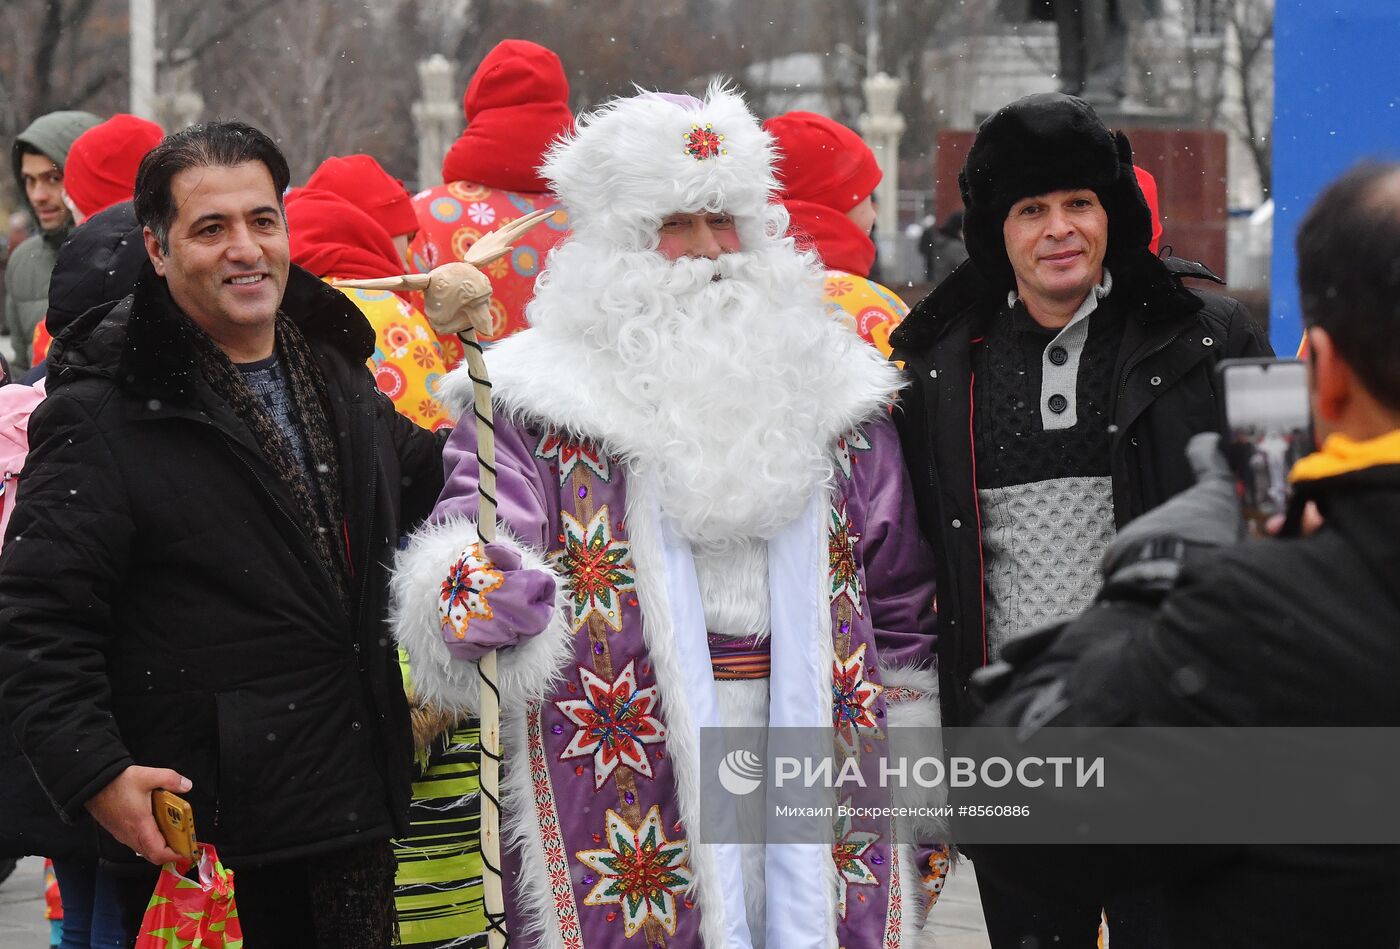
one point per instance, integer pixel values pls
(516, 105)
(331, 237)
(1148, 184)
(363, 182)
(840, 244)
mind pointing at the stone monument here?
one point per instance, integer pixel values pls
(882, 126)
(437, 117)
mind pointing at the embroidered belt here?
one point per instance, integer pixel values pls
(745, 658)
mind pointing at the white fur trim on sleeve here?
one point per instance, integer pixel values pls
(913, 718)
(913, 692)
(526, 672)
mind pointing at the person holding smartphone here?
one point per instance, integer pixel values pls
(1291, 631)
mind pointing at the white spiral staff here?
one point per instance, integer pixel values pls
(489, 767)
(457, 297)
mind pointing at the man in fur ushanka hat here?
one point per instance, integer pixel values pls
(1055, 379)
(700, 494)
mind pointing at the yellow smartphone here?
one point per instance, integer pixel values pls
(175, 819)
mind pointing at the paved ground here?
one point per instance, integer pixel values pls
(22, 925)
(958, 921)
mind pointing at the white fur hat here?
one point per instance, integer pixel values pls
(635, 160)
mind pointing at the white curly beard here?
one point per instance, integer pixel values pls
(714, 375)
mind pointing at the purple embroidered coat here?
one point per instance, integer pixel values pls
(599, 786)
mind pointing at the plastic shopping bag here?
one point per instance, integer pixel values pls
(192, 914)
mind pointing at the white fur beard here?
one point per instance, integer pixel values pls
(718, 369)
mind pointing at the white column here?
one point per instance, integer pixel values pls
(178, 104)
(143, 58)
(882, 126)
(437, 117)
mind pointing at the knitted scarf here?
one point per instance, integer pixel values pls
(319, 505)
(352, 897)
(352, 891)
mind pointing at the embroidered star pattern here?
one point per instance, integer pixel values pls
(462, 597)
(847, 850)
(616, 721)
(842, 573)
(703, 143)
(932, 881)
(640, 871)
(853, 699)
(571, 454)
(846, 446)
(598, 568)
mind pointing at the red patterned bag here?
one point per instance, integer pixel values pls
(192, 914)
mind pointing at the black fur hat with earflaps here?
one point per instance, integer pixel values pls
(1039, 144)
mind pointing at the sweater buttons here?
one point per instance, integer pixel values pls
(957, 523)
(1058, 355)
(1058, 403)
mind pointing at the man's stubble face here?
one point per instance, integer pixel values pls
(228, 256)
(1056, 243)
(43, 186)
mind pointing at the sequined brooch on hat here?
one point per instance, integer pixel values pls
(702, 143)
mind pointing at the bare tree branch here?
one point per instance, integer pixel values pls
(95, 85)
(50, 33)
(232, 25)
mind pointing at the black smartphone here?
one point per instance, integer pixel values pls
(1267, 426)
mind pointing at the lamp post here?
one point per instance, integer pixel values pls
(882, 127)
(437, 117)
(142, 28)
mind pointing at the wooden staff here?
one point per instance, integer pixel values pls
(458, 298)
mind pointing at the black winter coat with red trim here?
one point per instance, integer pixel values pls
(160, 605)
(1165, 391)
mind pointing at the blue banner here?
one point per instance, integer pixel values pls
(1336, 102)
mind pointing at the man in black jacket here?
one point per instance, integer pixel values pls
(1089, 366)
(192, 590)
(1055, 378)
(1194, 629)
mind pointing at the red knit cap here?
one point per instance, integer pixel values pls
(822, 161)
(516, 105)
(331, 237)
(363, 182)
(101, 166)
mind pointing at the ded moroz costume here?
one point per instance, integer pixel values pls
(700, 494)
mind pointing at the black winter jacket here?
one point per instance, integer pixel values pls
(1288, 632)
(1166, 393)
(161, 605)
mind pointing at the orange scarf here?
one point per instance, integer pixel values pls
(1341, 455)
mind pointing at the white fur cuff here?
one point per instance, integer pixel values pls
(913, 717)
(525, 672)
